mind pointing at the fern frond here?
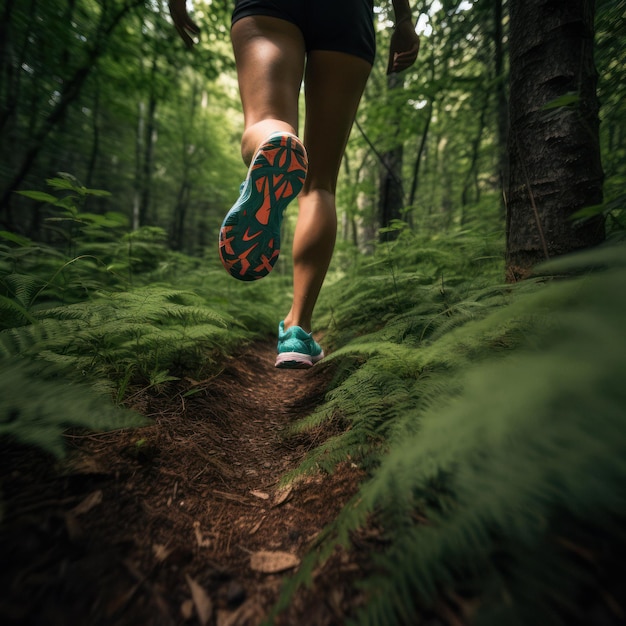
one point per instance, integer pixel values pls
(504, 431)
(24, 287)
(13, 313)
(37, 410)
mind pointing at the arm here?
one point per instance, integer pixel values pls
(405, 43)
(183, 23)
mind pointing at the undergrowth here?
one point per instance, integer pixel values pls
(491, 419)
(93, 308)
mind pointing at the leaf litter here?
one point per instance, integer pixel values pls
(190, 527)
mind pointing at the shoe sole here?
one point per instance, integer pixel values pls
(250, 234)
(297, 360)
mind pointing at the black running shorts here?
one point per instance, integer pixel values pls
(339, 25)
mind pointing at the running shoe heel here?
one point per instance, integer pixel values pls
(296, 348)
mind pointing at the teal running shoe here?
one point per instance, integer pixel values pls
(250, 232)
(296, 348)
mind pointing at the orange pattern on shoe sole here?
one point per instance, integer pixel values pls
(263, 213)
(266, 264)
(270, 153)
(225, 242)
(295, 164)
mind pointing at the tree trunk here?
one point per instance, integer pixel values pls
(420, 154)
(391, 200)
(501, 101)
(554, 151)
(148, 159)
(139, 150)
(471, 176)
(391, 193)
(95, 126)
(177, 237)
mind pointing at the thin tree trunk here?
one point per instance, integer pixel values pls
(391, 194)
(471, 177)
(180, 214)
(555, 166)
(501, 100)
(95, 144)
(420, 154)
(391, 200)
(148, 159)
(139, 151)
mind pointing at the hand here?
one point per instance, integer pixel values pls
(183, 23)
(405, 45)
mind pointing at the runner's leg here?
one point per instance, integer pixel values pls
(334, 83)
(269, 53)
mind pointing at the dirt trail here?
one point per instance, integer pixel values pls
(164, 525)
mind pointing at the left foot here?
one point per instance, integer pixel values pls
(250, 233)
(296, 348)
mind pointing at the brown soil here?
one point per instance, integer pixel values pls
(169, 524)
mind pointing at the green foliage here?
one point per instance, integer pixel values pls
(411, 293)
(413, 277)
(147, 332)
(37, 407)
(78, 261)
(105, 321)
(610, 48)
(503, 429)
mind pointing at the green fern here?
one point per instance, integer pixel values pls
(36, 408)
(504, 428)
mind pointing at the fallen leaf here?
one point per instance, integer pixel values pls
(93, 499)
(256, 527)
(201, 541)
(186, 609)
(273, 562)
(201, 600)
(260, 494)
(282, 496)
(160, 552)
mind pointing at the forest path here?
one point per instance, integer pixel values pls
(175, 520)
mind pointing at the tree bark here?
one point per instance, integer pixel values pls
(471, 176)
(391, 200)
(391, 193)
(177, 237)
(554, 151)
(95, 126)
(139, 151)
(501, 100)
(420, 154)
(148, 158)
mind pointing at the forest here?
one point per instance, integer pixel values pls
(457, 458)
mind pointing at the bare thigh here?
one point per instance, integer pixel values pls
(269, 53)
(334, 83)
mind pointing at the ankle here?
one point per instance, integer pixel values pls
(292, 321)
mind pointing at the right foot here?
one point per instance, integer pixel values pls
(250, 233)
